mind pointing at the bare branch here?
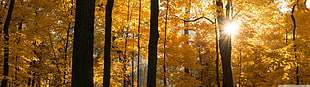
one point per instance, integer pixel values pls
(198, 19)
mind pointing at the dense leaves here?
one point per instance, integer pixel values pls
(263, 50)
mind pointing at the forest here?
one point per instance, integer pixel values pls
(154, 43)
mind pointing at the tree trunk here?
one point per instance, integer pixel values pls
(165, 43)
(294, 39)
(82, 64)
(66, 47)
(107, 44)
(6, 44)
(138, 59)
(153, 41)
(217, 57)
(225, 48)
(186, 32)
(125, 59)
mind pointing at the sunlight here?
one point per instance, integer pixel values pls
(283, 6)
(232, 28)
(308, 3)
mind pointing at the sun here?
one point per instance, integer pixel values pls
(231, 28)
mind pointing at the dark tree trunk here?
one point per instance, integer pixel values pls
(6, 44)
(294, 39)
(153, 41)
(107, 44)
(225, 49)
(82, 64)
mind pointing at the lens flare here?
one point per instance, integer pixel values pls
(231, 28)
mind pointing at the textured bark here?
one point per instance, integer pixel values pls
(153, 41)
(6, 44)
(82, 64)
(107, 44)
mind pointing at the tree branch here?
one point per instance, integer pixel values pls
(198, 19)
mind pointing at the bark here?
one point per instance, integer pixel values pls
(153, 41)
(107, 44)
(6, 44)
(225, 49)
(82, 64)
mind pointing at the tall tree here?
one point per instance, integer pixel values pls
(6, 44)
(138, 58)
(294, 39)
(153, 41)
(165, 41)
(82, 64)
(225, 46)
(107, 43)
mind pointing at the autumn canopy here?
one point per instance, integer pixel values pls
(154, 43)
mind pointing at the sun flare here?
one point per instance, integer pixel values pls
(232, 28)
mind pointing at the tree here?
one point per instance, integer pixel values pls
(153, 41)
(273, 41)
(6, 43)
(225, 46)
(107, 45)
(294, 39)
(82, 62)
(138, 44)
